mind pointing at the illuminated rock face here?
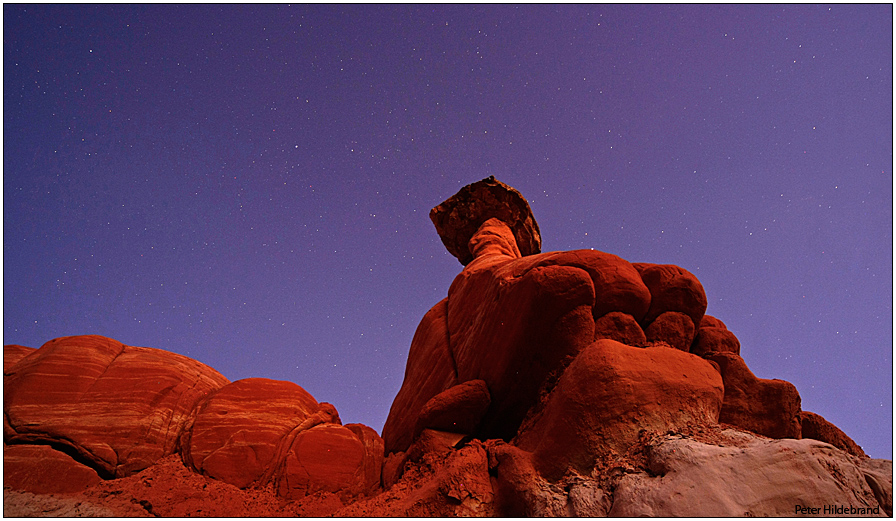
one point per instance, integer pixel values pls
(116, 408)
(545, 384)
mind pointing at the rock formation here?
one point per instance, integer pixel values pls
(545, 384)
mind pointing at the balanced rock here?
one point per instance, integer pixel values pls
(116, 408)
(459, 217)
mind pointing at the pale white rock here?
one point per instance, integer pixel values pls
(751, 476)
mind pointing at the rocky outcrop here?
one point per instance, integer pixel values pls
(81, 410)
(747, 476)
(657, 389)
(814, 426)
(545, 384)
(115, 408)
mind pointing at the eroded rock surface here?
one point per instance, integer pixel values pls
(545, 384)
(117, 408)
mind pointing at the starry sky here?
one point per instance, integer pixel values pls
(250, 185)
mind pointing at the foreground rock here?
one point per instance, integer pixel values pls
(687, 478)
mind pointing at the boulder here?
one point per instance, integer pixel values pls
(325, 458)
(238, 433)
(43, 470)
(12, 353)
(460, 216)
(672, 288)
(711, 321)
(767, 407)
(456, 409)
(754, 477)
(374, 450)
(609, 394)
(814, 426)
(715, 340)
(620, 327)
(116, 408)
(673, 328)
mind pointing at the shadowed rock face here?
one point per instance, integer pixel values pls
(545, 384)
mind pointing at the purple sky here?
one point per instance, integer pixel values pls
(250, 185)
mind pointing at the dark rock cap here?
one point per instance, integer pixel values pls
(458, 218)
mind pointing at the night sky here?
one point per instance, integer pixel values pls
(250, 185)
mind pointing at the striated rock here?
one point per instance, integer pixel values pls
(457, 409)
(12, 353)
(257, 431)
(767, 407)
(460, 216)
(42, 469)
(620, 327)
(325, 458)
(755, 478)
(673, 328)
(814, 426)
(715, 340)
(240, 432)
(116, 408)
(672, 288)
(430, 370)
(609, 394)
(374, 450)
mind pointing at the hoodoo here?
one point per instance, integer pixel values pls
(570, 383)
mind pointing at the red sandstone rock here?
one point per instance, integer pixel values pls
(120, 408)
(460, 216)
(41, 469)
(814, 426)
(457, 409)
(620, 327)
(529, 325)
(239, 432)
(374, 450)
(711, 321)
(767, 407)
(715, 340)
(12, 353)
(609, 394)
(324, 458)
(673, 328)
(430, 370)
(457, 484)
(672, 288)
